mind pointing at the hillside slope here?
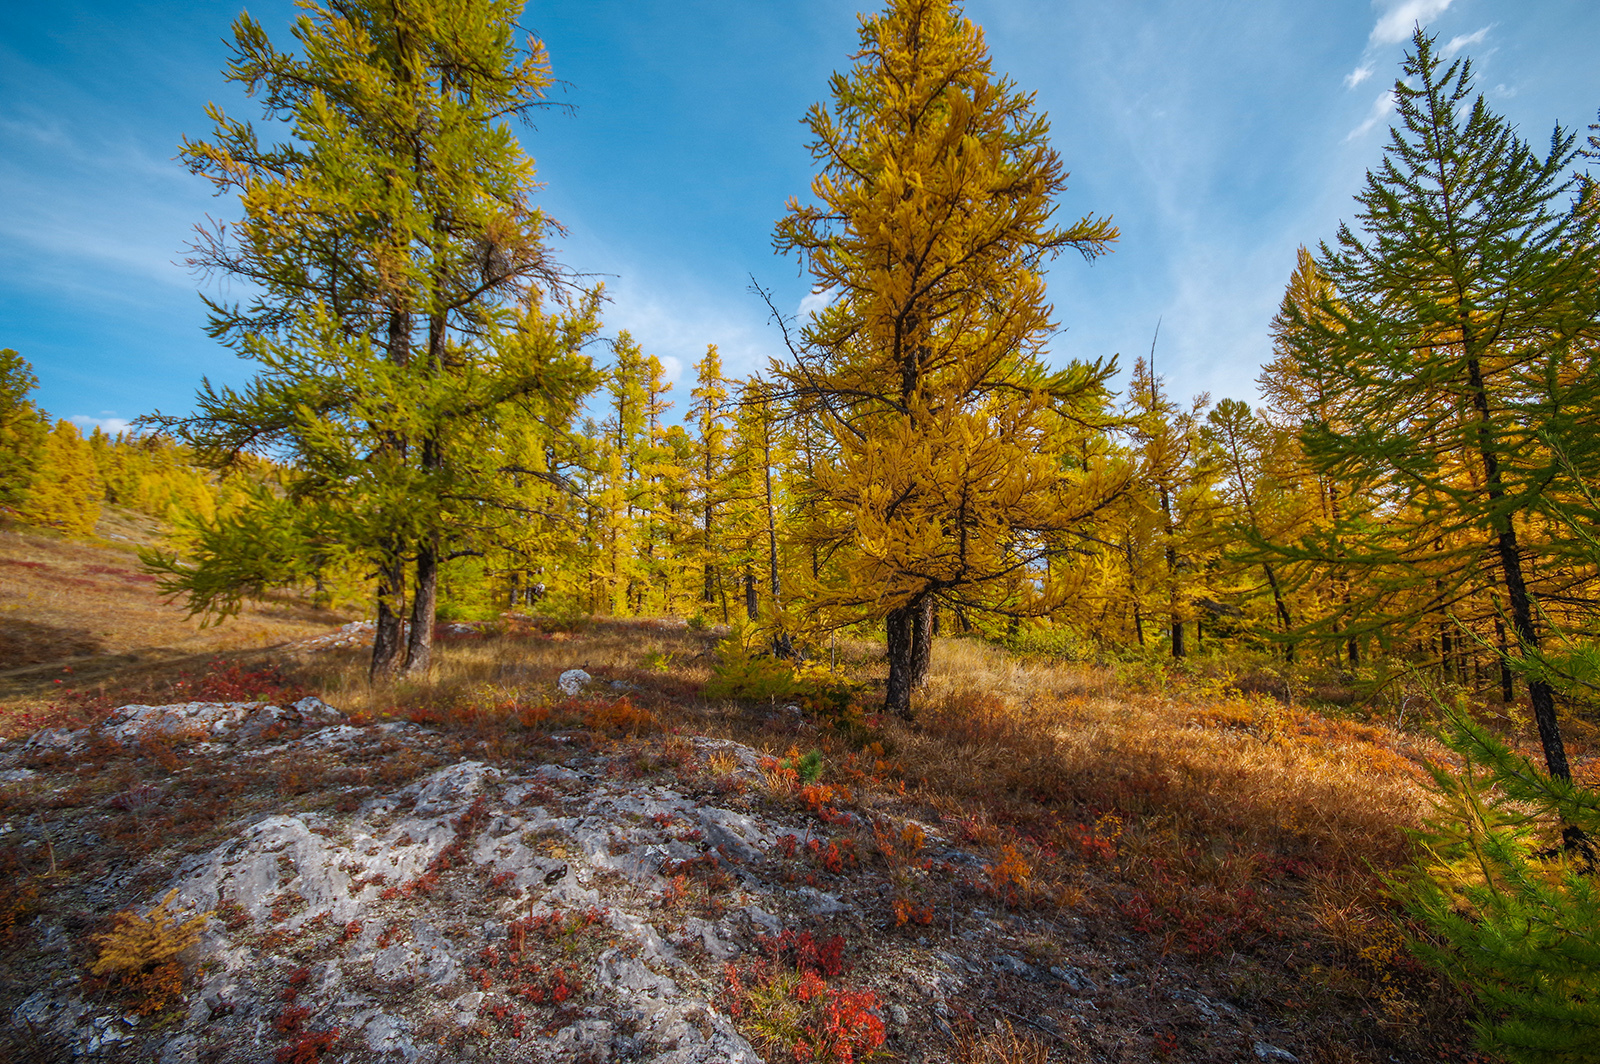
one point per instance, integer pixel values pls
(81, 612)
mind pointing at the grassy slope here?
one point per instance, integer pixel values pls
(1197, 838)
(82, 613)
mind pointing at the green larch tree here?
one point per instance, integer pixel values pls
(405, 299)
(1462, 295)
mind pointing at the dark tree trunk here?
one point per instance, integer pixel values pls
(752, 609)
(1539, 692)
(921, 642)
(897, 693)
(388, 634)
(1283, 612)
(1508, 689)
(424, 602)
(1177, 639)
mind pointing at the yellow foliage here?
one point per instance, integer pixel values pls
(141, 954)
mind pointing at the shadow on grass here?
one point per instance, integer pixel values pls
(24, 643)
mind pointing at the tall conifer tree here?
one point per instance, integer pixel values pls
(1460, 299)
(932, 224)
(402, 281)
(22, 429)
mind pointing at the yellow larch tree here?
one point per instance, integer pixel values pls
(945, 479)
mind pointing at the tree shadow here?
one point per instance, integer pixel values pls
(31, 643)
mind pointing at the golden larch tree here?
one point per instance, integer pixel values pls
(945, 476)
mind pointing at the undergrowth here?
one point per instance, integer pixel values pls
(140, 957)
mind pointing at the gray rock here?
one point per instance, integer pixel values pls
(616, 970)
(738, 836)
(180, 1049)
(1018, 967)
(711, 938)
(1274, 1055)
(821, 903)
(388, 1034)
(1075, 980)
(572, 681)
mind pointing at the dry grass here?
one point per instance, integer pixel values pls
(477, 676)
(1219, 765)
(1230, 834)
(81, 616)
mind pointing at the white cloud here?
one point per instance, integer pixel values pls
(1358, 75)
(109, 425)
(813, 302)
(1395, 24)
(1465, 40)
(1380, 110)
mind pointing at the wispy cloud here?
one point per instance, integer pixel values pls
(813, 303)
(1396, 23)
(109, 425)
(1465, 40)
(1380, 110)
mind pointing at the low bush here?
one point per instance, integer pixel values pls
(140, 955)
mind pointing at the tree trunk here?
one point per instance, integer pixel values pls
(387, 636)
(921, 642)
(782, 645)
(1508, 689)
(424, 600)
(899, 626)
(1283, 611)
(1539, 692)
(752, 608)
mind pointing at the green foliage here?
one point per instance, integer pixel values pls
(744, 672)
(419, 351)
(750, 675)
(1505, 882)
(807, 768)
(1457, 331)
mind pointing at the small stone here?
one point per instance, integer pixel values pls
(1273, 1055)
(1074, 979)
(1017, 966)
(572, 681)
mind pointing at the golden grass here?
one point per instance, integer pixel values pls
(474, 674)
(1246, 768)
(81, 615)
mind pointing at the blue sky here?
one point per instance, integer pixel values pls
(1220, 135)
